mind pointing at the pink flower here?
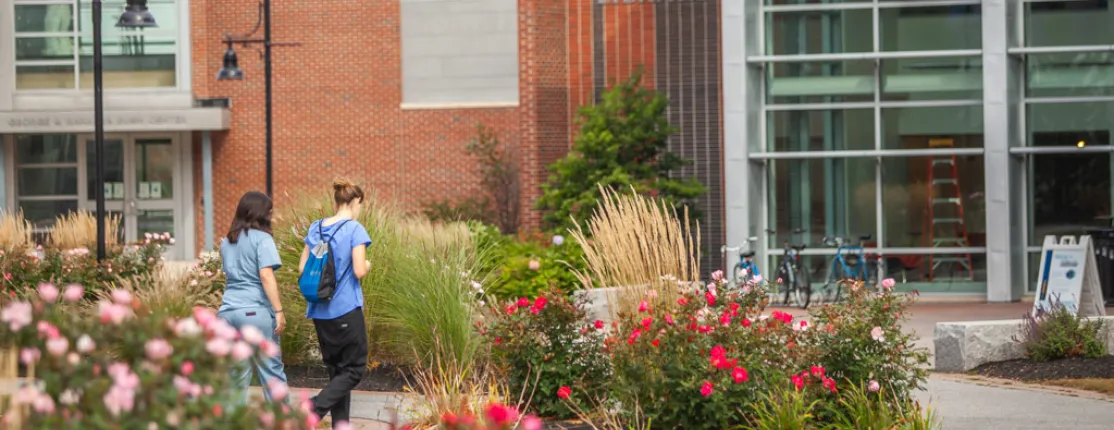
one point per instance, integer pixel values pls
(888, 283)
(121, 297)
(501, 415)
(531, 423)
(757, 279)
(523, 302)
(218, 347)
(187, 368)
(48, 292)
(158, 349)
(267, 419)
(85, 344)
(535, 265)
(73, 293)
(269, 349)
(564, 392)
(779, 280)
(252, 335)
(707, 389)
(26, 395)
(119, 400)
(29, 356)
(187, 328)
(717, 276)
(669, 319)
(740, 375)
(873, 386)
(816, 371)
(204, 316)
(540, 302)
(643, 306)
(47, 330)
(241, 351)
(798, 382)
(113, 313)
(57, 346)
(646, 322)
(877, 334)
(223, 330)
(312, 420)
(183, 385)
(17, 315)
(43, 404)
(278, 389)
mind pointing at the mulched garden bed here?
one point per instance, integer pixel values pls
(382, 378)
(1068, 368)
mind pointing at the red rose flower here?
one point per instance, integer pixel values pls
(711, 298)
(646, 322)
(745, 322)
(599, 325)
(706, 389)
(740, 375)
(523, 302)
(655, 342)
(644, 306)
(817, 371)
(540, 302)
(564, 392)
(798, 382)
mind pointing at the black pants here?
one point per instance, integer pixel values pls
(344, 350)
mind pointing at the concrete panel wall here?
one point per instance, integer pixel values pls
(459, 52)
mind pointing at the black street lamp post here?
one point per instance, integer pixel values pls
(134, 16)
(230, 70)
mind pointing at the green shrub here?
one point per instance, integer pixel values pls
(865, 341)
(129, 367)
(526, 266)
(23, 272)
(545, 344)
(1059, 333)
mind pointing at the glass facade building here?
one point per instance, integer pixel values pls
(955, 134)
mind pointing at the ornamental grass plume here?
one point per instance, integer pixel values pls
(78, 230)
(640, 245)
(15, 232)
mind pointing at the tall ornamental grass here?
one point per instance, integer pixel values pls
(15, 232)
(638, 244)
(78, 230)
(415, 295)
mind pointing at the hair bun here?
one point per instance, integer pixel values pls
(341, 184)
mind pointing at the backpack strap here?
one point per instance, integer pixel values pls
(328, 242)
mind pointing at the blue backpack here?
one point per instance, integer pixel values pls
(318, 282)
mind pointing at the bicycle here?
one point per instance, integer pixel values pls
(850, 263)
(745, 266)
(794, 276)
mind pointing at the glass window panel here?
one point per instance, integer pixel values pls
(47, 181)
(826, 197)
(1062, 23)
(819, 32)
(1069, 124)
(1070, 74)
(113, 169)
(43, 48)
(43, 18)
(42, 214)
(937, 273)
(950, 78)
(133, 58)
(820, 82)
(154, 169)
(796, 2)
(154, 222)
(46, 149)
(927, 127)
(821, 130)
(57, 77)
(930, 28)
(930, 202)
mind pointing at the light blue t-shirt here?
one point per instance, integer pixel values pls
(242, 261)
(343, 237)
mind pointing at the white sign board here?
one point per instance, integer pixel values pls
(1069, 274)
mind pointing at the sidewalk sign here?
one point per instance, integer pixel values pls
(1069, 272)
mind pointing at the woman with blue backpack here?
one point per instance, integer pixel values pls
(333, 262)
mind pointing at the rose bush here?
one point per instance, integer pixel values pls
(120, 371)
(544, 346)
(23, 271)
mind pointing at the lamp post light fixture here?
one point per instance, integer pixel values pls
(135, 15)
(230, 70)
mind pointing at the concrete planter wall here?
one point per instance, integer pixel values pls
(962, 346)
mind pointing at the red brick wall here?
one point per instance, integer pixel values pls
(336, 106)
(544, 94)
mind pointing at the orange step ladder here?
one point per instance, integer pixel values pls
(945, 218)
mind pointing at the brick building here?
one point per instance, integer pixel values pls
(387, 92)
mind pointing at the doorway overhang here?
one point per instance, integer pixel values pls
(148, 120)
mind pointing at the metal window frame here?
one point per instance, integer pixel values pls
(788, 8)
(865, 153)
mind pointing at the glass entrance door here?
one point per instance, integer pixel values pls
(139, 184)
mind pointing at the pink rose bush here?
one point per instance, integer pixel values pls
(124, 366)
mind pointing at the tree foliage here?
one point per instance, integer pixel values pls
(622, 145)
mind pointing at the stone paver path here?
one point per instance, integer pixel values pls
(964, 406)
